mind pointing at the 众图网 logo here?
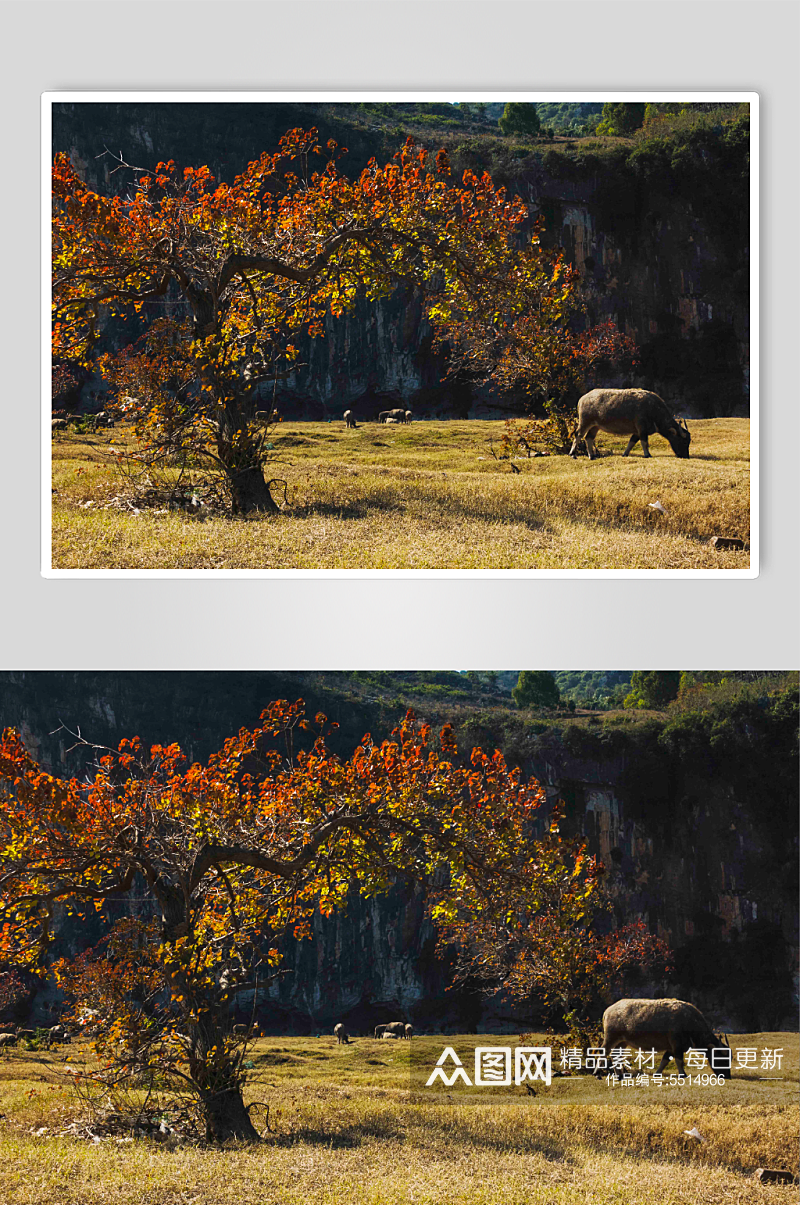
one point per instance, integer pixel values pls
(493, 1067)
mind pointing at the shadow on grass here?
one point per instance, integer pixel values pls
(359, 509)
(436, 514)
(348, 1137)
(439, 1133)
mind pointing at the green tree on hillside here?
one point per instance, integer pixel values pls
(520, 118)
(536, 688)
(621, 119)
(653, 688)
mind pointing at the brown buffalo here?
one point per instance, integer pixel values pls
(672, 1026)
(634, 412)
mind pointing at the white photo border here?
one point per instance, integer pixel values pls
(51, 98)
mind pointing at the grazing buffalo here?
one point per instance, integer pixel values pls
(349, 419)
(394, 1029)
(103, 419)
(59, 424)
(7, 1039)
(672, 1026)
(341, 1034)
(409, 416)
(388, 416)
(634, 412)
(409, 1032)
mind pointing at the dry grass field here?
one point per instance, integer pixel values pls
(427, 496)
(345, 1128)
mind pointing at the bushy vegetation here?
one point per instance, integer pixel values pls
(701, 155)
(594, 689)
(438, 684)
(569, 116)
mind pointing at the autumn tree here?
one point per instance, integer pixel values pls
(231, 855)
(255, 265)
(12, 990)
(551, 954)
(529, 335)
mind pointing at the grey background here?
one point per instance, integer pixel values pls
(329, 623)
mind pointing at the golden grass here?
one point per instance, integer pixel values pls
(345, 1128)
(427, 496)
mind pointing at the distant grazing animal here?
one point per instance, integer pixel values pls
(58, 1036)
(394, 1037)
(240, 1031)
(634, 412)
(349, 419)
(24, 1035)
(341, 1033)
(669, 1025)
(103, 419)
(397, 416)
(409, 1032)
(409, 416)
(394, 1029)
(59, 424)
(7, 1039)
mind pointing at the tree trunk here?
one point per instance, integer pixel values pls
(226, 1117)
(250, 491)
(214, 1069)
(240, 455)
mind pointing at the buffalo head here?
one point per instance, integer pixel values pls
(679, 438)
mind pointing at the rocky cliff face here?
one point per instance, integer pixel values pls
(705, 857)
(674, 278)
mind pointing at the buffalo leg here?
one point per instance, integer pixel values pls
(677, 1056)
(632, 442)
(590, 445)
(609, 1048)
(645, 449)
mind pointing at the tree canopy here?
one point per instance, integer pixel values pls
(230, 855)
(653, 688)
(536, 688)
(529, 333)
(621, 118)
(520, 117)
